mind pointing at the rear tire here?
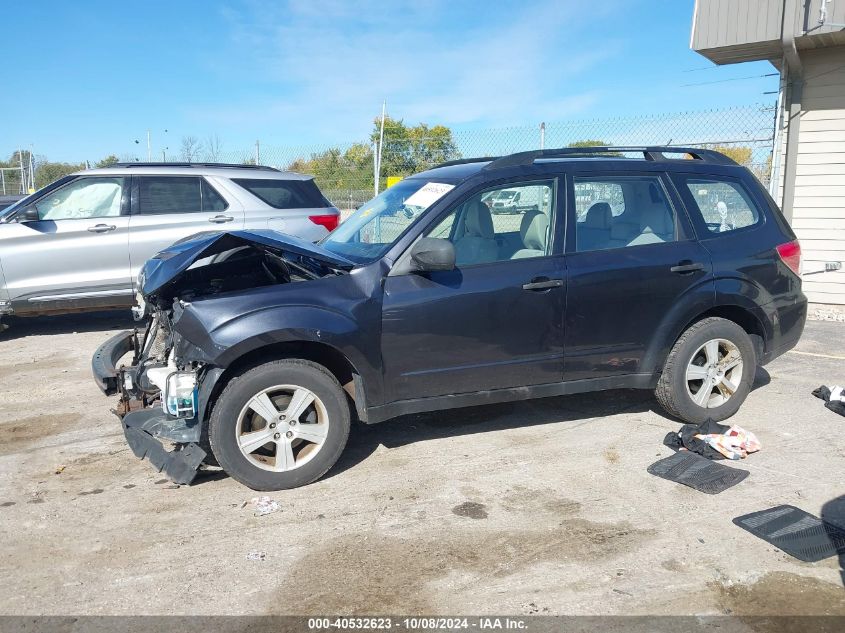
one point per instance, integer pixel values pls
(280, 425)
(709, 372)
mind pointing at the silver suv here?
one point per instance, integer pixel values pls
(79, 243)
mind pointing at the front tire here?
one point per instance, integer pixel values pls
(709, 372)
(280, 425)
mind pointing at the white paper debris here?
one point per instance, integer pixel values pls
(264, 505)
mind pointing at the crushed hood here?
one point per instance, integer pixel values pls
(167, 265)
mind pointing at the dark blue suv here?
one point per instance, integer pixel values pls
(669, 269)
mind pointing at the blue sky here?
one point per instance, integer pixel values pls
(91, 77)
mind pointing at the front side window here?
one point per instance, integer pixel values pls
(83, 198)
(629, 211)
(285, 194)
(370, 232)
(725, 206)
(501, 224)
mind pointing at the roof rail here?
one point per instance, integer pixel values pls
(464, 161)
(166, 164)
(653, 153)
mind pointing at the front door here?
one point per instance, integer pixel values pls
(166, 209)
(76, 254)
(494, 322)
(634, 259)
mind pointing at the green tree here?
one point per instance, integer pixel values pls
(108, 161)
(589, 143)
(47, 172)
(407, 150)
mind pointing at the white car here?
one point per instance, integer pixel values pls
(79, 243)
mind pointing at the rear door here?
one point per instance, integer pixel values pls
(166, 209)
(633, 263)
(76, 254)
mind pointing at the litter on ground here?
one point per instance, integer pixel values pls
(834, 398)
(264, 505)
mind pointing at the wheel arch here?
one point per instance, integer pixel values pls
(736, 307)
(328, 356)
(749, 318)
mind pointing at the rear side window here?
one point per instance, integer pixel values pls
(211, 200)
(177, 194)
(621, 211)
(588, 192)
(724, 205)
(284, 194)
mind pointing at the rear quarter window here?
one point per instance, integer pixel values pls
(724, 204)
(284, 194)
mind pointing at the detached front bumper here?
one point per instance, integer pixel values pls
(146, 426)
(104, 362)
(140, 429)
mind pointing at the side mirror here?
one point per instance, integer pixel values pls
(431, 254)
(29, 214)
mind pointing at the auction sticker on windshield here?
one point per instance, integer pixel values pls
(428, 194)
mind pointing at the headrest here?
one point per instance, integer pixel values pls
(535, 236)
(479, 222)
(599, 216)
(529, 215)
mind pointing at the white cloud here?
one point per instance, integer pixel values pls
(335, 61)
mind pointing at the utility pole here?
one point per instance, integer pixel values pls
(257, 153)
(380, 145)
(31, 170)
(23, 171)
(149, 148)
(543, 135)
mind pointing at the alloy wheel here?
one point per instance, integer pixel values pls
(714, 373)
(282, 428)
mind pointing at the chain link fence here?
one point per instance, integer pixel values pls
(345, 172)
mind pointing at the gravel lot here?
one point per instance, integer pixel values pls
(535, 507)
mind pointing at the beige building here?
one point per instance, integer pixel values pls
(805, 41)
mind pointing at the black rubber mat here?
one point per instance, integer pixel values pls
(695, 471)
(798, 533)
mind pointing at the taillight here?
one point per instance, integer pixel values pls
(790, 254)
(330, 220)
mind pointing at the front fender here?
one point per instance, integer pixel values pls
(289, 324)
(239, 335)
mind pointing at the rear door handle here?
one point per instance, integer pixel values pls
(687, 266)
(101, 228)
(542, 284)
(221, 219)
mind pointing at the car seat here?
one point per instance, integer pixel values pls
(535, 238)
(478, 244)
(594, 232)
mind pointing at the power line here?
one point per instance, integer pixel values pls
(721, 81)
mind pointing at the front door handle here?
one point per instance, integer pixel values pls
(541, 283)
(101, 228)
(221, 219)
(686, 266)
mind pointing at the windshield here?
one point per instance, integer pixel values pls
(371, 230)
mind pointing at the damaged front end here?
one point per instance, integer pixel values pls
(166, 389)
(159, 396)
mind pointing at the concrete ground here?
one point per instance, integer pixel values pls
(534, 507)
